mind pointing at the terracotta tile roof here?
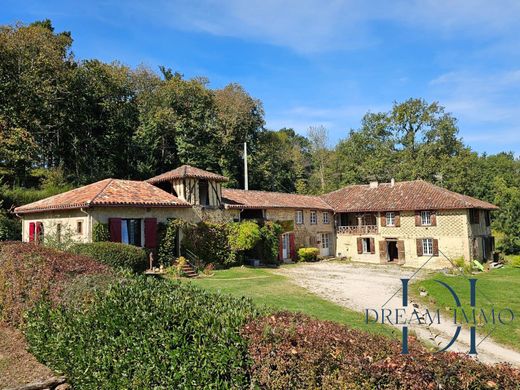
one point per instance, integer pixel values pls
(241, 199)
(108, 192)
(406, 195)
(186, 171)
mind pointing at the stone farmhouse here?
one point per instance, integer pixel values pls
(408, 223)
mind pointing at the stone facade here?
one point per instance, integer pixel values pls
(306, 234)
(452, 231)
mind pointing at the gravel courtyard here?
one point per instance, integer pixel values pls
(362, 286)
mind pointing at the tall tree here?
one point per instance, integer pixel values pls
(318, 137)
(240, 118)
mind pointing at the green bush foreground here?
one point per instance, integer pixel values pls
(144, 334)
(114, 254)
(107, 330)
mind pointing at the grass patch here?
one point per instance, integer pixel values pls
(501, 287)
(267, 288)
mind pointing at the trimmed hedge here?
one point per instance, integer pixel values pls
(117, 255)
(146, 333)
(29, 273)
(308, 254)
(294, 351)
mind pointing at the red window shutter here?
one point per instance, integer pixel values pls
(150, 233)
(39, 232)
(114, 225)
(419, 247)
(372, 246)
(433, 218)
(280, 247)
(397, 219)
(417, 218)
(435, 247)
(359, 246)
(383, 219)
(32, 230)
(292, 246)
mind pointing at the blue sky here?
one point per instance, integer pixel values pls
(317, 62)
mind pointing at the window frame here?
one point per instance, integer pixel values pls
(365, 245)
(299, 217)
(79, 227)
(427, 246)
(424, 214)
(138, 234)
(325, 218)
(313, 219)
(388, 218)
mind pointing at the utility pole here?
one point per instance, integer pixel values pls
(246, 184)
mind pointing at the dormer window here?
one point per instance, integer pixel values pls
(203, 193)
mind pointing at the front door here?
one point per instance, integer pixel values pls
(325, 244)
(393, 253)
(285, 246)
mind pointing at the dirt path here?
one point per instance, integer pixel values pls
(17, 366)
(361, 287)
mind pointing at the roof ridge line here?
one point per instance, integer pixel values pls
(110, 180)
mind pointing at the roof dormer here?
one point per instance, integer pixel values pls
(194, 185)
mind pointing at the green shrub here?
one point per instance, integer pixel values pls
(10, 228)
(209, 241)
(513, 260)
(30, 272)
(145, 334)
(267, 248)
(294, 351)
(100, 232)
(308, 254)
(114, 254)
(243, 236)
(168, 240)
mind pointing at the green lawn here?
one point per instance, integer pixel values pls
(266, 288)
(501, 287)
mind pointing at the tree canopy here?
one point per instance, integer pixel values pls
(65, 121)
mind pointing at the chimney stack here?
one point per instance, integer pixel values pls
(374, 184)
(392, 182)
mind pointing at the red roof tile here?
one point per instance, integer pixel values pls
(406, 195)
(241, 199)
(187, 171)
(108, 192)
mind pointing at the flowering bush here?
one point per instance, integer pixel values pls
(293, 351)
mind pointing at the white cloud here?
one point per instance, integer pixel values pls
(309, 26)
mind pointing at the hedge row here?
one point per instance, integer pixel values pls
(144, 334)
(293, 351)
(29, 273)
(116, 255)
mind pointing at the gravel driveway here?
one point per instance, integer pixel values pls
(365, 286)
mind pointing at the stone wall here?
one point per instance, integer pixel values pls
(451, 231)
(305, 235)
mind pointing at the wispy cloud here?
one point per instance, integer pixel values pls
(310, 26)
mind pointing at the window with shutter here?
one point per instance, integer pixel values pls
(390, 219)
(426, 218)
(32, 231)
